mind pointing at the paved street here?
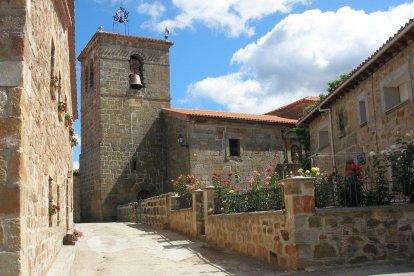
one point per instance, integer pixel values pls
(134, 249)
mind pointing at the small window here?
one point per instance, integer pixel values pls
(396, 88)
(134, 166)
(363, 118)
(234, 145)
(323, 137)
(342, 123)
(50, 197)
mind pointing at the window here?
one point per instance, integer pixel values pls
(134, 166)
(396, 88)
(234, 145)
(362, 108)
(342, 122)
(323, 137)
(52, 60)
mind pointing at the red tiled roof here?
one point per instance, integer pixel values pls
(229, 115)
(306, 100)
(387, 51)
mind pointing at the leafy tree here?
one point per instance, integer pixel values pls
(332, 85)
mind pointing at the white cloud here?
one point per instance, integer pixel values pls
(154, 10)
(78, 138)
(233, 17)
(299, 56)
(75, 165)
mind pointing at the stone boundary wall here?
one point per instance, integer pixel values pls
(127, 212)
(263, 235)
(354, 235)
(181, 221)
(155, 211)
(299, 236)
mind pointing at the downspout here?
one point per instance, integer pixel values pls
(330, 136)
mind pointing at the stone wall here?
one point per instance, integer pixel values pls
(261, 145)
(181, 221)
(122, 139)
(299, 236)
(35, 149)
(155, 211)
(354, 235)
(263, 235)
(383, 126)
(127, 212)
(76, 197)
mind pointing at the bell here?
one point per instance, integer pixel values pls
(135, 81)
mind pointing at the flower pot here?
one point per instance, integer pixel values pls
(53, 92)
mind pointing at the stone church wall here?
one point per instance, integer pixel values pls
(35, 148)
(122, 132)
(261, 146)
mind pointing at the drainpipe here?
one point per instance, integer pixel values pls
(330, 137)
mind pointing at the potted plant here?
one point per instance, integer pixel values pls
(68, 120)
(54, 85)
(74, 142)
(62, 107)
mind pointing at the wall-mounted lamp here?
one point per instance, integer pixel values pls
(180, 140)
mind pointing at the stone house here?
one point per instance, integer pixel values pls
(369, 109)
(201, 142)
(130, 134)
(36, 47)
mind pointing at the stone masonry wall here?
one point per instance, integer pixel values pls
(299, 236)
(155, 211)
(35, 150)
(382, 128)
(261, 145)
(263, 235)
(354, 235)
(181, 221)
(122, 137)
(127, 212)
(76, 197)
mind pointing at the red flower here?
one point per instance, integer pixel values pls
(229, 174)
(269, 169)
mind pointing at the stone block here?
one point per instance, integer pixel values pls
(17, 170)
(12, 73)
(10, 199)
(13, 234)
(324, 250)
(19, 44)
(10, 263)
(315, 222)
(303, 204)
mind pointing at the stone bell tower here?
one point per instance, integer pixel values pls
(125, 82)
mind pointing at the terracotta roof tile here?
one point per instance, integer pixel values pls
(296, 107)
(230, 115)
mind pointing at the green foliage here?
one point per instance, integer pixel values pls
(183, 185)
(332, 85)
(264, 192)
(311, 107)
(304, 138)
(401, 159)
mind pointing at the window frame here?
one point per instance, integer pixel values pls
(238, 147)
(363, 98)
(321, 128)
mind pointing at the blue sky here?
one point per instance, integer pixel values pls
(251, 56)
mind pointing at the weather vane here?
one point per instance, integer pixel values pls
(121, 16)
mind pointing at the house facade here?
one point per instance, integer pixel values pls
(201, 142)
(369, 110)
(36, 50)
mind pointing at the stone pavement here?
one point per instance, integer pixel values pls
(135, 249)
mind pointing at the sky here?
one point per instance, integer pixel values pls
(250, 56)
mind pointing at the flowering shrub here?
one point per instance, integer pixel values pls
(264, 192)
(313, 172)
(183, 185)
(351, 187)
(401, 159)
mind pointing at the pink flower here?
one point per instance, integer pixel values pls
(269, 169)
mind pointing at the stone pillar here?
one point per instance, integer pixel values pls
(198, 214)
(299, 206)
(208, 204)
